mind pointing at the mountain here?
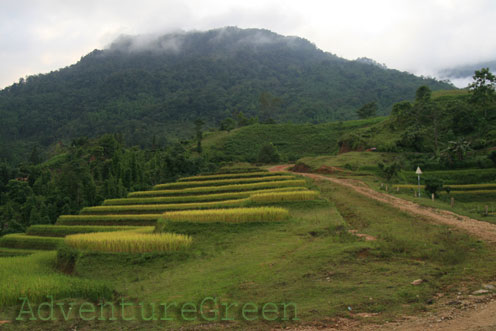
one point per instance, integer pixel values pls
(153, 87)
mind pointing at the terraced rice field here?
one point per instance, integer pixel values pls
(118, 223)
(129, 225)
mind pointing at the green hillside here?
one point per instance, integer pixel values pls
(292, 141)
(152, 90)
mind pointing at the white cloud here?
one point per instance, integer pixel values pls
(420, 36)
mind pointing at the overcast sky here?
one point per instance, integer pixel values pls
(420, 36)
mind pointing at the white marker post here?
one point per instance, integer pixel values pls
(418, 172)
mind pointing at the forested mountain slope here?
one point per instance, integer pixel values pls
(147, 86)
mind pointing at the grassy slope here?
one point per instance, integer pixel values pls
(352, 160)
(292, 140)
(310, 260)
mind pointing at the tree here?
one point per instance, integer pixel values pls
(433, 185)
(456, 150)
(492, 157)
(368, 110)
(35, 157)
(227, 124)
(423, 94)
(483, 88)
(269, 105)
(268, 154)
(199, 134)
(389, 170)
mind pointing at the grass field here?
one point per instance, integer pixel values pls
(357, 161)
(34, 277)
(291, 140)
(300, 253)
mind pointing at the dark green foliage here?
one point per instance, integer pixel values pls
(492, 157)
(438, 131)
(456, 150)
(84, 174)
(291, 140)
(423, 94)
(268, 154)
(214, 74)
(433, 185)
(483, 87)
(368, 110)
(465, 176)
(67, 258)
(390, 170)
(227, 124)
(199, 134)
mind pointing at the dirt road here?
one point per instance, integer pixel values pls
(483, 230)
(475, 313)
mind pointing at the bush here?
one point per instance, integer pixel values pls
(66, 258)
(492, 157)
(433, 185)
(465, 176)
(268, 154)
(389, 170)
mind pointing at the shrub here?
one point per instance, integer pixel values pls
(492, 157)
(389, 170)
(284, 196)
(465, 176)
(433, 185)
(129, 241)
(268, 154)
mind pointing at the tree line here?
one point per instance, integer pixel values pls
(84, 174)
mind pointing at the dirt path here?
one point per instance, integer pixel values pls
(471, 312)
(480, 229)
